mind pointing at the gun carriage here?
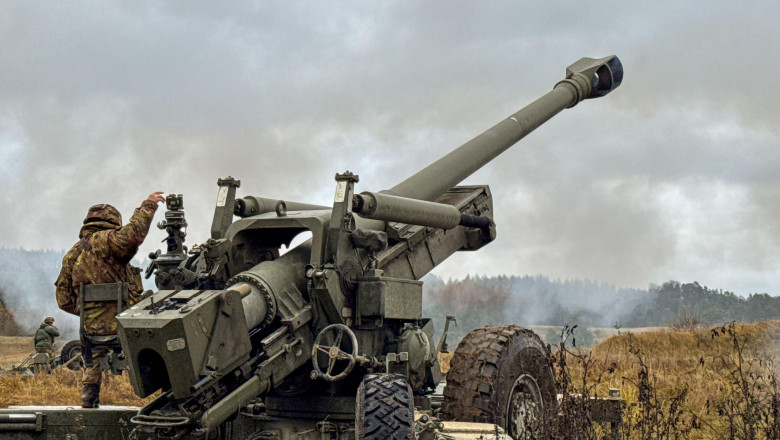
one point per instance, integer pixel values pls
(328, 338)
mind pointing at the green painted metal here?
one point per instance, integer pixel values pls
(587, 78)
(359, 273)
(241, 317)
(405, 210)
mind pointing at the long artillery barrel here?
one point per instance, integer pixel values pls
(212, 350)
(585, 79)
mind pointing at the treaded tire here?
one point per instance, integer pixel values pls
(498, 373)
(69, 351)
(385, 408)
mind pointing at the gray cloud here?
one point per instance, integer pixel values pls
(671, 177)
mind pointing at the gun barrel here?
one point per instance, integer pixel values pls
(587, 78)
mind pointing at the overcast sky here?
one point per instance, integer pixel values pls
(673, 176)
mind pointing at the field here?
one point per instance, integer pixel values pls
(61, 387)
(704, 383)
(14, 349)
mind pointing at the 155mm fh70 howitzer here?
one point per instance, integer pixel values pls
(238, 331)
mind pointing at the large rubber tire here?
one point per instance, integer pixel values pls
(69, 351)
(385, 408)
(501, 375)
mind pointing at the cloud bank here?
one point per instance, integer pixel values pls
(671, 177)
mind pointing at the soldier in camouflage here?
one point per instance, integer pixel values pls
(103, 255)
(44, 336)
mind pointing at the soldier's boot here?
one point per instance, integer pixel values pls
(90, 395)
(90, 385)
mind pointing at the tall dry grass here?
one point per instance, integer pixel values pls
(708, 383)
(705, 383)
(63, 387)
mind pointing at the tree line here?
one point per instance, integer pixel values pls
(27, 277)
(541, 301)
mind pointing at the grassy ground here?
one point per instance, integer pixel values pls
(705, 383)
(61, 387)
(14, 349)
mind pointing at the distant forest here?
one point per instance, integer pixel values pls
(540, 301)
(27, 290)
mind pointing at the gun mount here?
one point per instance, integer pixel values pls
(237, 327)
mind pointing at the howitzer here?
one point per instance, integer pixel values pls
(238, 327)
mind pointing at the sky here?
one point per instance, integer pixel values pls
(674, 176)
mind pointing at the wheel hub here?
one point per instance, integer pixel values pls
(524, 408)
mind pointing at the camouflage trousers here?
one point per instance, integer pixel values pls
(92, 374)
(48, 351)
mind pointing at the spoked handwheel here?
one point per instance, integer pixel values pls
(334, 351)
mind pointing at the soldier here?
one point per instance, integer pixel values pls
(44, 337)
(103, 255)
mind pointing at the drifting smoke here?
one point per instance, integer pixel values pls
(529, 301)
(27, 285)
(8, 325)
(541, 301)
(671, 177)
(27, 289)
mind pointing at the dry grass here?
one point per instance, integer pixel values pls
(444, 361)
(698, 380)
(63, 387)
(678, 359)
(700, 361)
(14, 349)
(705, 371)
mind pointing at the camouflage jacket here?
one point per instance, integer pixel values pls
(106, 259)
(44, 337)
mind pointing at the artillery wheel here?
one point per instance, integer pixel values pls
(501, 375)
(69, 351)
(385, 408)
